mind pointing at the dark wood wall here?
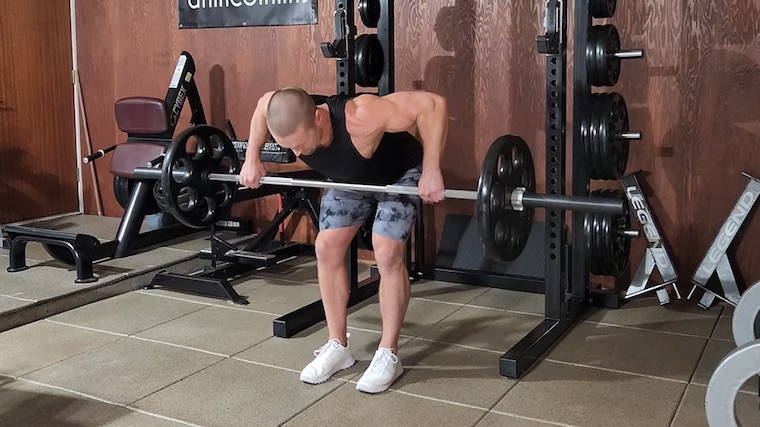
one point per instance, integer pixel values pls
(694, 97)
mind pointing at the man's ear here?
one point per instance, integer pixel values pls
(317, 115)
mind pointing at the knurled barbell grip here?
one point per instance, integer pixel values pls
(629, 53)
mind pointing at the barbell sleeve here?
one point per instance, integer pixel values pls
(573, 203)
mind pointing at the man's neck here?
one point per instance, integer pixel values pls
(326, 130)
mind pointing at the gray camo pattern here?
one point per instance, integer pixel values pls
(394, 213)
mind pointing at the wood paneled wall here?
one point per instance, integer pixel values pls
(693, 97)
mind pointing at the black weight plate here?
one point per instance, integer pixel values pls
(191, 197)
(507, 165)
(586, 133)
(64, 255)
(619, 147)
(122, 190)
(588, 231)
(592, 70)
(601, 9)
(369, 10)
(606, 42)
(606, 137)
(600, 45)
(369, 60)
(599, 244)
(596, 111)
(607, 245)
(621, 245)
(613, 62)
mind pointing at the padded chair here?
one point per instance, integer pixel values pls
(149, 132)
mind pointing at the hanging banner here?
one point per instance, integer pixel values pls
(245, 13)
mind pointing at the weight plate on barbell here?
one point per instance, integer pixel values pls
(369, 60)
(189, 194)
(601, 9)
(369, 10)
(507, 166)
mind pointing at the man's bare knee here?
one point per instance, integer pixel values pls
(389, 253)
(330, 245)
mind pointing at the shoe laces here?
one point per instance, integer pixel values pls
(333, 343)
(381, 360)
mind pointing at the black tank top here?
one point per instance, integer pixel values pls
(340, 162)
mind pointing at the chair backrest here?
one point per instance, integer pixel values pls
(149, 132)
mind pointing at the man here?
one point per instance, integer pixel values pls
(365, 139)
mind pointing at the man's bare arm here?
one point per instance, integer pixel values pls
(259, 133)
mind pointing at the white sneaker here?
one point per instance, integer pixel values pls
(330, 358)
(382, 372)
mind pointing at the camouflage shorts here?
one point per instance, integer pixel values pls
(394, 213)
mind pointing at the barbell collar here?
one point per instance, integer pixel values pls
(629, 53)
(629, 135)
(574, 203)
(517, 199)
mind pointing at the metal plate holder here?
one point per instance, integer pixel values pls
(716, 260)
(656, 254)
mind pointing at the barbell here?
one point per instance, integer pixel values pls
(199, 175)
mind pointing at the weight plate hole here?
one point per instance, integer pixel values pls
(187, 199)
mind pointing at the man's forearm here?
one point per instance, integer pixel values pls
(433, 129)
(257, 137)
(259, 133)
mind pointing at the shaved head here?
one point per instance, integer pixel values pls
(290, 109)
